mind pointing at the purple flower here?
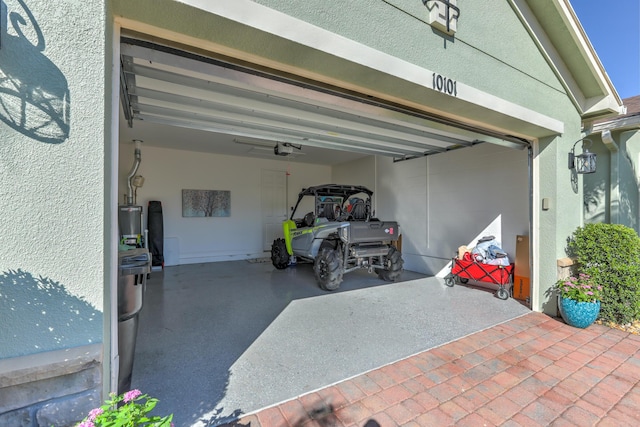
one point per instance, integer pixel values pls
(589, 293)
(131, 395)
(94, 413)
(86, 424)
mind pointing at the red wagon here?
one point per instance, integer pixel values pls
(501, 275)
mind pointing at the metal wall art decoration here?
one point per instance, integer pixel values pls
(204, 203)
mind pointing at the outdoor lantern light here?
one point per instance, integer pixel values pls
(585, 162)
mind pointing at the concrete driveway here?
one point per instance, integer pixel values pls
(219, 340)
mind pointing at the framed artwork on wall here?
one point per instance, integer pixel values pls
(205, 203)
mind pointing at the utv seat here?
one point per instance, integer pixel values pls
(359, 211)
(309, 219)
(328, 211)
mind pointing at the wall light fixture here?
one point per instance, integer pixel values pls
(585, 162)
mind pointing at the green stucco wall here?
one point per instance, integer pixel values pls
(52, 170)
(596, 186)
(611, 193)
(491, 50)
(630, 179)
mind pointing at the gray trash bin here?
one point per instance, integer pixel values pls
(133, 267)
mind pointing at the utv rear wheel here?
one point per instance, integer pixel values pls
(392, 266)
(328, 269)
(279, 254)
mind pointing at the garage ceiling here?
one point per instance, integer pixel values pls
(256, 111)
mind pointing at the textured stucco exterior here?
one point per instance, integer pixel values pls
(478, 54)
(611, 193)
(53, 259)
(52, 121)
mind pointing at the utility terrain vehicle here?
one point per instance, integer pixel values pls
(338, 234)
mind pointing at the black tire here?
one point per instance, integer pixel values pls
(328, 269)
(463, 280)
(450, 280)
(393, 266)
(502, 293)
(279, 254)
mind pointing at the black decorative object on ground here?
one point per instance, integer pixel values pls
(156, 233)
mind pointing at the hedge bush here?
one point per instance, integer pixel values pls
(610, 254)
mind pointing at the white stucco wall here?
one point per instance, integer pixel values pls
(448, 200)
(191, 240)
(357, 172)
(52, 170)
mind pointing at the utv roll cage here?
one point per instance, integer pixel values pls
(326, 195)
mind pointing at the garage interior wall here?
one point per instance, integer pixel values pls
(452, 199)
(358, 172)
(458, 210)
(193, 240)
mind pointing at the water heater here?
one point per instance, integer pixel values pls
(130, 224)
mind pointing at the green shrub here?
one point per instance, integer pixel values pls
(610, 254)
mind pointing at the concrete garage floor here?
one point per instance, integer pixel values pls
(219, 340)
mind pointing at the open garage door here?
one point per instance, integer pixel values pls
(208, 111)
(164, 85)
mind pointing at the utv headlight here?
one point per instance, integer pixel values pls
(344, 234)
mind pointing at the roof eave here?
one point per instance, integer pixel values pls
(602, 99)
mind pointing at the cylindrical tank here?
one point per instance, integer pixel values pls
(130, 224)
(133, 265)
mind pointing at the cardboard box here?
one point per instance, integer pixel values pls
(521, 288)
(397, 243)
(521, 273)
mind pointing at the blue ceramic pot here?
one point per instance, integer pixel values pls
(579, 314)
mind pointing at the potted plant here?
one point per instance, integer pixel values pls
(578, 300)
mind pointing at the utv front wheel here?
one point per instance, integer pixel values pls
(392, 266)
(328, 269)
(279, 254)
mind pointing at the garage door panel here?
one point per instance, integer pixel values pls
(252, 114)
(191, 89)
(302, 130)
(242, 107)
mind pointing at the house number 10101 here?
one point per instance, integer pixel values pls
(444, 84)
